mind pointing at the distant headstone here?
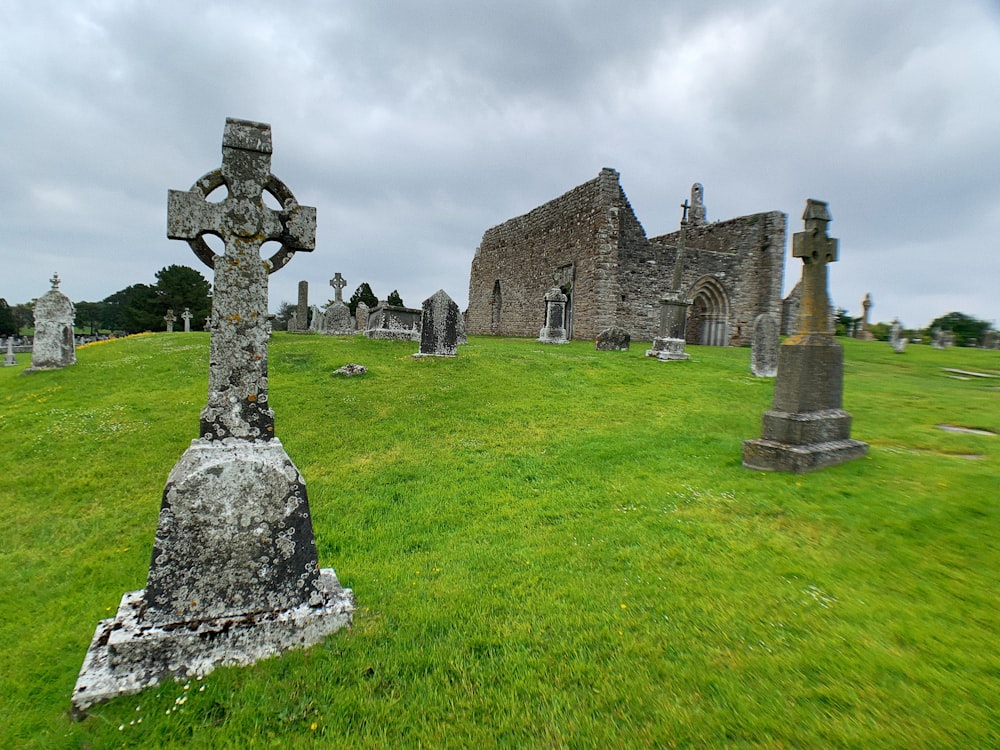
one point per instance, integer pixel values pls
(169, 319)
(315, 319)
(337, 316)
(764, 346)
(55, 345)
(861, 330)
(991, 340)
(361, 316)
(234, 575)
(10, 360)
(439, 326)
(554, 330)
(613, 339)
(668, 346)
(806, 428)
(186, 315)
(943, 339)
(896, 339)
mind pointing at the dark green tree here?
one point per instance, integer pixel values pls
(90, 315)
(285, 310)
(180, 287)
(24, 316)
(394, 299)
(964, 327)
(362, 294)
(133, 309)
(7, 326)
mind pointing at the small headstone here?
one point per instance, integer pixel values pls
(613, 339)
(55, 343)
(896, 339)
(234, 575)
(764, 346)
(439, 326)
(186, 315)
(10, 360)
(806, 428)
(554, 330)
(169, 319)
(315, 320)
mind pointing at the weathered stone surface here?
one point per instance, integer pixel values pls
(169, 320)
(301, 319)
(897, 340)
(337, 319)
(234, 574)
(764, 349)
(806, 428)
(54, 345)
(350, 370)
(186, 315)
(439, 326)
(591, 239)
(361, 313)
(863, 332)
(554, 330)
(10, 360)
(393, 322)
(613, 339)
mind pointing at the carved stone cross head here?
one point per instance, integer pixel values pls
(242, 220)
(338, 283)
(813, 245)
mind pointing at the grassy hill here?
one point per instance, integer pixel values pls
(549, 546)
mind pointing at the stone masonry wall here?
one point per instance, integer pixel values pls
(590, 239)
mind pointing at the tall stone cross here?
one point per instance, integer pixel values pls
(237, 385)
(338, 283)
(186, 315)
(816, 250)
(169, 319)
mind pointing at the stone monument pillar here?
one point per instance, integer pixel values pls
(764, 346)
(234, 575)
(554, 330)
(302, 309)
(668, 346)
(186, 315)
(806, 428)
(862, 332)
(55, 345)
(169, 320)
(10, 360)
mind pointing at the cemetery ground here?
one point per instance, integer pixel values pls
(549, 546)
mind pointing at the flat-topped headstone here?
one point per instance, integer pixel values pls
(55, 343)
(439, 326)
(554, 330)
(613, 339)
(234, 575)
(764, 346)
(806, 427)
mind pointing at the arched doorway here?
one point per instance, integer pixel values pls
(708, 316)
(496, 303)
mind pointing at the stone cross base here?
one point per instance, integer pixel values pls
(769, 455)
(668, 350)
(128, 655)
(548, 335)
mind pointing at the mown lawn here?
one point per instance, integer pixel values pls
(550, 547)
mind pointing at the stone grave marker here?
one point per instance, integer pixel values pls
(668, 346)
(387, 321)
(439, 326)
(10, 360)
(806, 428)
(55, 344)
(302, 308)
(234, 575)
(169, 320)
(186, 315)
(315, 319)
(613, 339)
(764, 346)
(896, 339)
(361, 316)
(337, 316)
(554, 330)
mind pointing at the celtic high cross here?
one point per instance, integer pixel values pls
(338, 283)
(237, 385)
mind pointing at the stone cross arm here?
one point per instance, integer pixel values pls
(813, 245)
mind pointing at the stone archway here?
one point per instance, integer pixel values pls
(708, 316)
(496, 304)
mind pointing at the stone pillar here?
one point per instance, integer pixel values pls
(806, 428)
(764, 346)
(54, 345)
(302, 309)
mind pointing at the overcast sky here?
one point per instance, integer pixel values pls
(413, 127)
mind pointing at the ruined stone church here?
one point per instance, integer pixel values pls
(590, 243)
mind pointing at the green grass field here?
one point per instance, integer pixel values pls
(549, 546)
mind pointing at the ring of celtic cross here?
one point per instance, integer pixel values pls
(209, 183)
